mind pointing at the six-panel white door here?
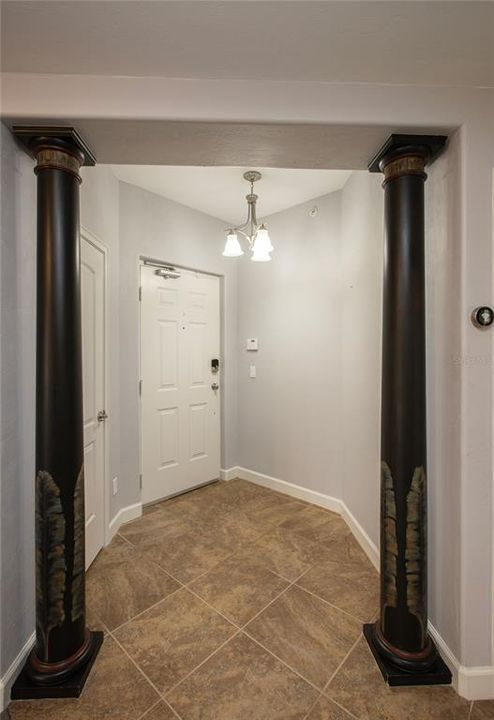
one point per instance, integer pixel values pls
(180, 408)
(93, 364)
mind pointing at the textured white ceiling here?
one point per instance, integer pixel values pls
(220, 191)
(425, 43)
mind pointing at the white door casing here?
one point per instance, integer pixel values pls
(180, 410)
(93, 261)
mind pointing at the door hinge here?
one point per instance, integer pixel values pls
(140, 293)
(140, 387)
(140, 481)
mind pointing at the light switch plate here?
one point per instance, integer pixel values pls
(252, 371)
(252, 344)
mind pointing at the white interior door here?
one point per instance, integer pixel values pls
(93, 364)
(180, 407)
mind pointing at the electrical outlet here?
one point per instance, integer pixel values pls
(115, 485)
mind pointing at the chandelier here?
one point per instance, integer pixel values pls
(256, 235)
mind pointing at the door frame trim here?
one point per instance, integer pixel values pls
(141, 263)
(91, 238)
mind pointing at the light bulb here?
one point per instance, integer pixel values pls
(232, 245)
(262, 243)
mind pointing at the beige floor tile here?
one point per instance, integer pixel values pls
(115, 689)
(325, 709)
(232, 531)
(306, 633)
(343, 548)
(122, 582)
(196, 504)
(233, 492)
(185, 555)
(359, 687)
(164, 522)
(239, 587)
(362, 573)
(284, 552)
(242, 682)
(353, 588)
(273, 508)
(160, 712)
(483, 710)
(236, 492)
(315, 524)
(171, 639)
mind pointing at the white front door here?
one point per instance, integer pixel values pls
(93, 364)
(180, 407)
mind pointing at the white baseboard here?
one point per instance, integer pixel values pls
(296, 491)
(476, 683)
(447, 655)
(472, 683)
(367, 545)
(229, 473)
(124, 515)
(10, 676)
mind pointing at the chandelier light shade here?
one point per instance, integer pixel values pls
(262, 243)
(232, 246)
(256, 235)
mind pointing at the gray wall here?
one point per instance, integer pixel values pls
(312, 416)
(155, 227)
(360, 373)
(289, 416)
(444, 320)
(17, 395)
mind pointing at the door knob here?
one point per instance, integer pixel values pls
(215, 386)
(102, 415)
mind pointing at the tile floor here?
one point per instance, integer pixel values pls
(236, 603)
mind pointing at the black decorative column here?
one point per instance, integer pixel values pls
(399, 640)
(65, 649)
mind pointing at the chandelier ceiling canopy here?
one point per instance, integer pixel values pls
(256, 235)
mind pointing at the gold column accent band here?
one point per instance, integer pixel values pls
(55, 159)
(404, 165)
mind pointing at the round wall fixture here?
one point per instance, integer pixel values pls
(483, 317)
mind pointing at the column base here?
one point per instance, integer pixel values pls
(25, 688)
(437, 673)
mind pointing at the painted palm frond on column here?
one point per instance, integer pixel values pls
(50, 557)
(416, 544)
(390, 541)
(79, 549)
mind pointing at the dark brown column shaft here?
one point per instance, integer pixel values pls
(400, 635)
(63, 643)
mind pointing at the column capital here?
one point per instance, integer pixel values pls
(416, 151)
(38, 139)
